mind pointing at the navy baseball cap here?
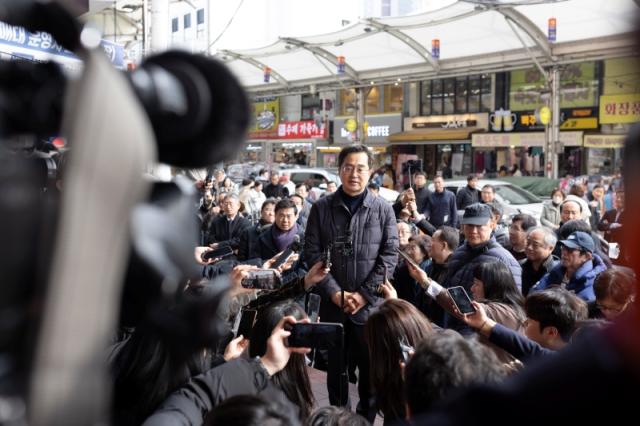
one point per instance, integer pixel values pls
(477, 214)
(579, 240)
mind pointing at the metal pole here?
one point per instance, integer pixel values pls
(555, 120)
(360, 105)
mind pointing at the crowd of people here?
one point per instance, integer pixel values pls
(383, 272)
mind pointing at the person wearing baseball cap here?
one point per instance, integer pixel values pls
(480, 246)
(578, 268)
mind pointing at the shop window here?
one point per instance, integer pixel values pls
(449, 95)
(310, 105)
(461, 95)
(393, 98)
(348, 102)
(436, 97)
(425, 98)
(372, 103)
(474, 93)
(486, 96)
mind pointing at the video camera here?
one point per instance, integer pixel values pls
(109, 233)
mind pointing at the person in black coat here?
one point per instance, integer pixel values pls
(275, 189)
(281, 234)
(469, 194)
(226, 229)
(441, 206)
(419, 193)
(249, 239)
(361, 229)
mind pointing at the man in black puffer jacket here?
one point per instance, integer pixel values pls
(362, 230)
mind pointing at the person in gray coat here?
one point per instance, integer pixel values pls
(550, 216)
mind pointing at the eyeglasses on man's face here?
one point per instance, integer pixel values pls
(347, 168)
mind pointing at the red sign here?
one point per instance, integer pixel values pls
(301, 130)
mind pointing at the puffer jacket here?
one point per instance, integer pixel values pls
(550, 215)
(465, 259)
(581, 282)
(374, 238)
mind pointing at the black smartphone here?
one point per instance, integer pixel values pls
(247, 319)
(263, 279)
(294, 247)
(461, 299)
(318, 335)
(217, 253)
(313, 307)
(408, 259)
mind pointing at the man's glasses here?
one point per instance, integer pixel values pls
(359, 169)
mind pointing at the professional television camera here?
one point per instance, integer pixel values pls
(65, 257)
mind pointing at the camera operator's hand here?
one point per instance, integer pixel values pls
(235, 348)
(237, 274)
(199, 251)
(315, 275)
(408, 196)
(278, 354)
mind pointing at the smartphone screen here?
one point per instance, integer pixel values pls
(313, 307)
(265, 279)
(217, 253)
(461, 299)
(319, 335)
(248, 317)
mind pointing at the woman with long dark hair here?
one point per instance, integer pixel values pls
(293, 379)
(393, 328)
(494, 287)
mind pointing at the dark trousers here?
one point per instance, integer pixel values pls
(356, 350)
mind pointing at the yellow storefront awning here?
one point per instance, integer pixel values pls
(434, 135)
(604, 141)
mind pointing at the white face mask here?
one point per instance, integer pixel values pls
(557, 200)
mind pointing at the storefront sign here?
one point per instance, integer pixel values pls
(266, 115)
(458, 121)
(41, 46)
(307, 129)
(570, 119)
(378, 128)
(498, 140)
(604, 141)
(578, 88)
(620, 108)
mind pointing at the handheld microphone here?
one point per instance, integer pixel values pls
(294, 247)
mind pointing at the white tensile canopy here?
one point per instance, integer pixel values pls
(475, 36)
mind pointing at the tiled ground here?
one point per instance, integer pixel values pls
(319, 387)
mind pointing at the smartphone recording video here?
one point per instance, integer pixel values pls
(263, 279)
(217, 253)
(319, 335)
(462, 300)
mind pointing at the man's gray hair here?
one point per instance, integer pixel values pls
(549, 238)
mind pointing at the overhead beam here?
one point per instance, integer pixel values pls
(404, 38)
(531, 29)
(261, 66)
(320, 52)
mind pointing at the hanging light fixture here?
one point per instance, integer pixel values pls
(435, 48)
(341, 65)
(267, 74)
(551, 33)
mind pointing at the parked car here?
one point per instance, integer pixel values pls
(514, 199)
(318, 177)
